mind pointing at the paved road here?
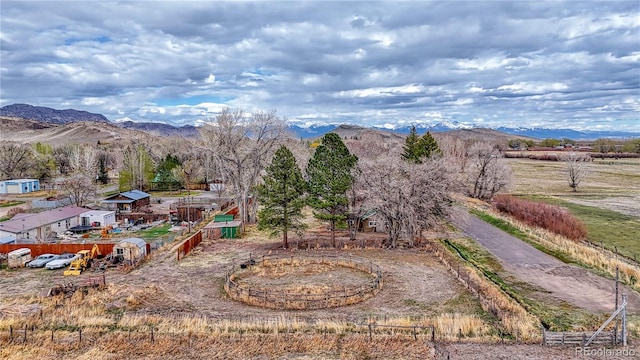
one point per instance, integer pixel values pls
(570, 283)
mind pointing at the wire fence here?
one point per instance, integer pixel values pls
(304, 299)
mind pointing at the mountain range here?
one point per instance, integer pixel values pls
(301, 130)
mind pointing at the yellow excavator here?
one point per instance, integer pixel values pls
(83, 261)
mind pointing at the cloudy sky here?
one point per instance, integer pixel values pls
(573, 64)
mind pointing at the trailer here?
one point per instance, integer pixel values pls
(19, 258)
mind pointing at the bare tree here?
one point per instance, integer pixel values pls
(16, 160)
(79, 188)
(188, 172)
(575, 166)
(487, 172)
(455, 150)
(241, 145)
(409, 197)
(84, 160)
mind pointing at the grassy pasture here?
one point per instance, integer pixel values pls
(607, 201)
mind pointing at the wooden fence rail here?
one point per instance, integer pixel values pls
(188, 244)
(285, 300)
(578, 338)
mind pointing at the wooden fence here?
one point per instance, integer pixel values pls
(579, 338)
(284, 300)
(188, 244)
(39, 249)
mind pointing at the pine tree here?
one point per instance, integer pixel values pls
(329, 176)
(428, 146)
(410, 147)
(282, 195)
(416, 149)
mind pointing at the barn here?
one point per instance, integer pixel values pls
(131, 249)
(19, 186)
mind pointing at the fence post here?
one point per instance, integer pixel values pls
(152, 339)
(433, 333)
(80, 335)
(544, 336)
(370, 332)
(51, 335)
(11, 332)
(415, 335)
(25, 332)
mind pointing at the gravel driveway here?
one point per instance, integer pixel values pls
(570, 283)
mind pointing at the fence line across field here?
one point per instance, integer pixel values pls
(289, 300)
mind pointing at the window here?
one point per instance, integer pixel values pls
(58, 223)
(119, 251)
(373, 223)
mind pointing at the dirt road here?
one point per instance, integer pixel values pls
(570, 283)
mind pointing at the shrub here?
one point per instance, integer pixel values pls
(15, 211)
(550, 217)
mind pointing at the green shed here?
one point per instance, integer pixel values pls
(223, 218)
(223, 229)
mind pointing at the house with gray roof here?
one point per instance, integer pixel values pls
(37, 227)
(128, 201)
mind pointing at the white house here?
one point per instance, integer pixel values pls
(19, 186)
(97, 218)
(31, 228)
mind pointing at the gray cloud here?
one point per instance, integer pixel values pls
(556, 64)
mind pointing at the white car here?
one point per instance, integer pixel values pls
(42, 260)
(63, 261)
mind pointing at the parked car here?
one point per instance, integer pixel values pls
(42, 260)
(63, 261)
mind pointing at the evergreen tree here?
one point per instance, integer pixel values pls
(164, 176)
(428, 146)
(416, 148)
(282, 195)
(410, 147)
(329, 173)
(103, 175)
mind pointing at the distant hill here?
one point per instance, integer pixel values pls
(79, 132)
(49, 115)
(161, 129)
(44, 115)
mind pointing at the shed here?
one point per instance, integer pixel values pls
(19, 258)
(223, 218)
(223, 229)
(19, 186)
(131, 249)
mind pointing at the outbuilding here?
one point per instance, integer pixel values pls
(19, 186)
(131, 249)
(98, 218)
(19, 258)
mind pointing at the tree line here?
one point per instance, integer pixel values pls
(271, 176)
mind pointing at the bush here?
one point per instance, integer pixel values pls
(551, 217)
(14, 211)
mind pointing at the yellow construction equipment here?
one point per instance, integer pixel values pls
(83, 261)
(106, 232)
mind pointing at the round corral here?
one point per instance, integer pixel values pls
(303, 282)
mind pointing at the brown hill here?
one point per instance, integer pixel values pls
(83, 132)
